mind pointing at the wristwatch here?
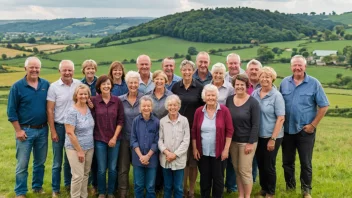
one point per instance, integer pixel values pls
(272, 138)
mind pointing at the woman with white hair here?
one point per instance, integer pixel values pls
(211, 138)
(174, 138)
(225, 88)
(144, 145)
(130, 102)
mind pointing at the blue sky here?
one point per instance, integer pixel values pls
(51, 9)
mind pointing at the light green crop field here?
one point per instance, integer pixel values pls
(328, 45)
(344, 18)
(332, 176)
(133, 39)
(81, 40)
(348, 31)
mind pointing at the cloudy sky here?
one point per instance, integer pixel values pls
(51, 9)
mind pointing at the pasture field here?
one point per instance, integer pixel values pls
(133, 39)
(348, 31)
(327, 45)
(12, 52)
(346, 18)
(332, 176)
(27, 44)
(47, 47)
(82, 40)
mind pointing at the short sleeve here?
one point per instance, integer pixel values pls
(51, 94)
(71, 117)
(279, 105)
(320, 97)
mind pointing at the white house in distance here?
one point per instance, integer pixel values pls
(319, 54)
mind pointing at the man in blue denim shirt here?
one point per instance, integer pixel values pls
(168, 66)
(202, 74)
(302, 94)
(26, 111)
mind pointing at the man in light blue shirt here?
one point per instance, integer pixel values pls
(168, 66)
(144, 65)
(303, 95)
(233, 62)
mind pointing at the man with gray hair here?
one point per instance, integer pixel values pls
(305, 105)
(168, 65)
(233, 62)
(253, 71)
(59, 100)
(202, 74)
(26, 110)
(144, 65)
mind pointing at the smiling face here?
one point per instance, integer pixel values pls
(203, 63)
(233, 64)
(133, 85)
(66, 71)
(168, 67)
(240, 87)
(298, 67)
(173, 107)
(159, 81)
(117, 73)
(82, 96)
(89, 71)
(187, 72)
(265, 79)
(218, 76)
(146, 107)
(144, 65)
(210, 98)
(33, 69)
(105, 87)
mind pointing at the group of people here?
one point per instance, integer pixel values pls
(168, 127)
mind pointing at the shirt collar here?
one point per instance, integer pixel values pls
(217, 107)
(149, 80)
(125, 96)
(196, 76)
(306, 78)
(193, 83)
(151, 116)
(225, 84)
(168, 119)
(100, 99)
(84, 80)
(26, 83)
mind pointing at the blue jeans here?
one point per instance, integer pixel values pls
(38, 140)
(173, 179)
(254, 168)
(58, 151)
(230, 182)
(106, 159)
(144, 178)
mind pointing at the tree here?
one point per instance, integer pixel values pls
(327, 59)
(303, 49)
(312, 13)
(305, 54)
(338, 76)
(31, 40)
(192, 51)
(3, 56)
(132, 61)
(275, 50)
(188, 57)
(333, 13)
(176, 55)
(265, 54)
(9, 45)
(35, 50)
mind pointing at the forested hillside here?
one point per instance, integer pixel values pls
(228, 25)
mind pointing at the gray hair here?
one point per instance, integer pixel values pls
(299, 57)
(32, 58)
(210, 87)
(172, 98)
(168, 58)
(218, 66)
(132, 74)
(69, 61)
(203, 53)
(146, 98)
(254, 62)
(188, 62)
(141, 56)
(231, 55)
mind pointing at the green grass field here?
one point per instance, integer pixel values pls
(332, 176)
(328, 45)
(81, 40)
(133, 39)
(345, 18)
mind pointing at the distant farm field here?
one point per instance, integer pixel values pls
(47, 47)
(346, 18)
(12, 52)
(328, 45)
(133, 39)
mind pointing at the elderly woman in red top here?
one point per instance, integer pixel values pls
(109, 119)
(211, 138)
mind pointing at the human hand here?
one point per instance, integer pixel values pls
(248, 149)
(21, 135)
(224, 154)
(54, 136)
(90, 104)
(196, 154)
(81, 156)
(309, 128)
(112, 142)
(170, 157)
(271, 145)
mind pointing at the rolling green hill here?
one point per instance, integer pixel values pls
(345, 18)
(227, 25)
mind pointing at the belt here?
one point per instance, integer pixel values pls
(34, 126)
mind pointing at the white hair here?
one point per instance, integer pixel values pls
(254, 62)
(141, 56)
(210, 87)
(203, 53)
(168, 58)
(172, 98)
(188, 62)
(299, 57)
(146, 98)
(30, 59)
(69, 61)
(218, 66)
(132, 74)
(231, 55)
